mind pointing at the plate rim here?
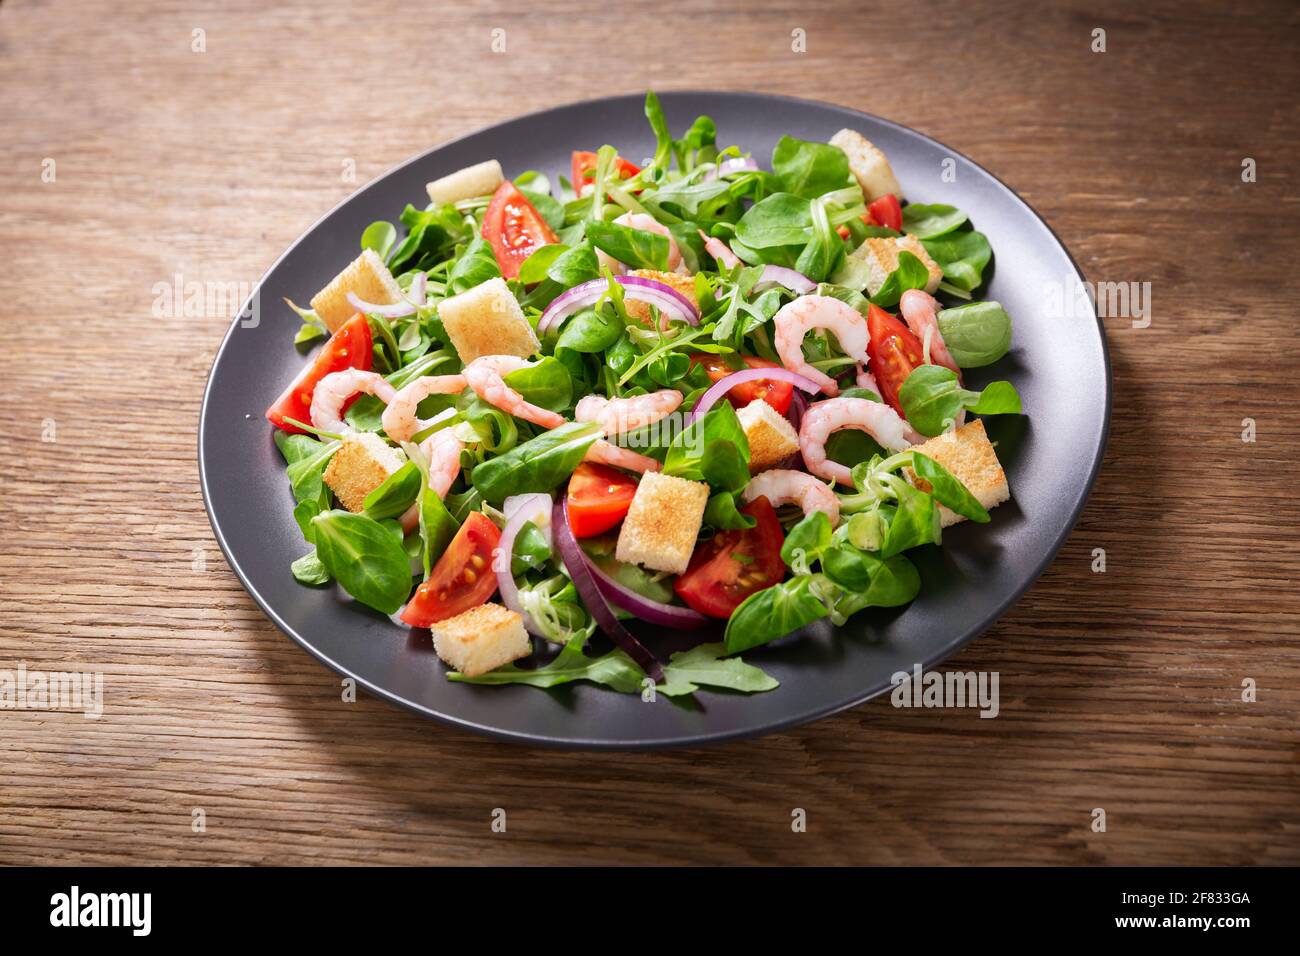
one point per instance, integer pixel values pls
(711, 737)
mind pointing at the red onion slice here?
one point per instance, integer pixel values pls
(655, 612)
(394, 311)
(575, 562)
(535, 508)
(722, 387)
(659, 294)
(780, 275)
(739, 164)
(416, 294)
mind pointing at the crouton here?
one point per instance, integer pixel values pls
(480, 179)
(868, 164)
(660, 529)
(361, 465)
(481, 639)
(368, 277)
(640, 311)
(772, 439)
(487, 320)
(881, 258)
(969, 455)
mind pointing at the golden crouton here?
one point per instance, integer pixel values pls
(481, 639)
(868, 164)
(969, 455)
(772, 439)
(640, 311)
(660, 529)
(368, 277)
(881, 258)
(487, 320)
(481, 179)
(361, 465)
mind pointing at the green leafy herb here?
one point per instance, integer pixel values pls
(911, 273)
(931, 398)
(365, 557)
(962, 255)
(774, 612)
(947, 489)
(637, 248)
(929, 222)
(712, 449)
(542, 464)
(722, 513)
(809, 169)
(976, 334)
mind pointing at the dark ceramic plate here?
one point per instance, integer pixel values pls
(1051, 455)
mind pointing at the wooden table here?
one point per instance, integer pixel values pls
(1120, 690)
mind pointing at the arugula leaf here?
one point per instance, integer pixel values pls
(637, 248)
(945, 488)
(931, 221)
(931, 398)
(976, 334)
(541, 464)
(704, 664)
(712, 449)
(365, 557)
(774, 612)
(614, 669)
(809, 169)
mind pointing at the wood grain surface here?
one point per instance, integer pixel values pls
(1120, 690)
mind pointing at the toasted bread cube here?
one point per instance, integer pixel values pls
(481, 179)
(481, 639)
(969, 455)
(868, 164)
(660, 529)
(368, 277)
(881, 258)
(487, 320)
(640, 311)
(361, 465)
(772, 439)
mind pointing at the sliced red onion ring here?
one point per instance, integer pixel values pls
(659, 294)
(394, 311)
(655, 612)
(722, 387)
(780, 275)
(739, 164)
(416, 293)
(575, 562)
(794, 414)
(537, 509)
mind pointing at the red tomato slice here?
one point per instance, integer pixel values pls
(599, 497)
(732, 565)
(514, 228)
(584, 167)
(776, 393)
(894, 351)
(349, 347)
(462, 578)
(886, 212)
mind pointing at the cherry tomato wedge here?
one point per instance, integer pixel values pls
(776, 393)
(732, 565)
(599, 497)
(349, 347)
(514, 228)
(584, 168)
(886, 212)
(894, 351)
(462, 578)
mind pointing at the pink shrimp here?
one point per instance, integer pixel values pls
(442, 449)
(866, 380)
(795, 319)
(484, 376)
(875, 418)
(783, 487)
(336, 388)
(400, 420)
(919, 310)
(720, 251)
(607, 453)
(619, 415)
(646, 223)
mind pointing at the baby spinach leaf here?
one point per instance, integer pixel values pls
(306, 475)
(575, 266)
(876, 581)
(773, 612)
(947, 489)
(546, 384)
(601, 550)
(309, 570)
(782, 219)
(546, 205)
(365, 557)
(712, 449)
(541, 464)
(931, 398)
(534, 268)
(962, 256)
(437, 528)
(910, 274)
(976, 334)
(807, 541)
(931, 221)
(590, 331)
(397, 493)
(914, 523)
(432, 233)
(634, 247)
(476, 265)
(721, 513)
(809, 169)
(379, 236)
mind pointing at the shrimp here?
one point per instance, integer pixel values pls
(607, 453)
(782, 487)
(483, 375)
(400, 421)
(795, 319)
(336, 388)
(619, 415)
(918, 309)
(867, 380)
(875, 418)
(719, 250)
(442, 449)
(646, 223)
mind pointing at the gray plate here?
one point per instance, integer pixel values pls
(1051, 455)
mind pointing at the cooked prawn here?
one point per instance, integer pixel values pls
(646, 223)
(619, 415)
(719, 250)
(919, 310)
(483, 375)
(607, 453)
(442, 449)
(867, 380)
(783, 487)
(795, 319)
(336, 388)
(400, 421)
(878, 420)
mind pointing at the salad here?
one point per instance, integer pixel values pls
(687, 390)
